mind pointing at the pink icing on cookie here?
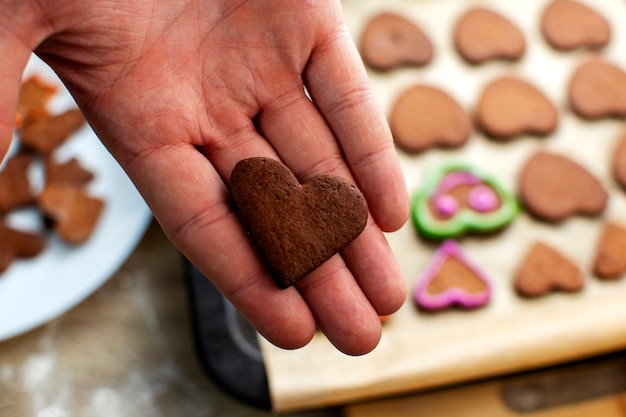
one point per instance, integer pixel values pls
(451, 279)
(483, 199)
(446, 205)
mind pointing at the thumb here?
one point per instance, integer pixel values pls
(11, 69)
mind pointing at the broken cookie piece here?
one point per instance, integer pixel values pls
(16, 244)
(71, 212)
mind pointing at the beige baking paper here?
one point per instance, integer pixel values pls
(420, 350)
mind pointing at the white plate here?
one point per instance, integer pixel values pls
(35, 291)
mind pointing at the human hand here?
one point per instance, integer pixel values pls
(180, 91)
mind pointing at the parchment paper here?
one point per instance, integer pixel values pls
(420, 350)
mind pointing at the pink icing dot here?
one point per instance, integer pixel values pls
(483, 199)
(446, 205)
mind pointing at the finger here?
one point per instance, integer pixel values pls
(306, 144)
(190, 201)
(11, 70)
(376, 269)
(338, 84)
(341, 310)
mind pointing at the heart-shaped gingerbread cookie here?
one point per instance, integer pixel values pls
(509, 107)
(544, 270)
(295, 227)
(481, 35)
(618, 163)
(459, 198)
(451, 279)
(610, 259)
(390, 40)
(598, 89)
(553, 187)
(423, 117)
(568, 25)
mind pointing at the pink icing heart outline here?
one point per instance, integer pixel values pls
(454, 295)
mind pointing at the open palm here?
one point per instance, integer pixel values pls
(180, 91)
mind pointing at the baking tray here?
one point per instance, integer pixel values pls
(511, 334)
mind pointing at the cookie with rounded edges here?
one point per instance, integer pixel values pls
(554, 187)
(618, 162)
(544, 270)
(567, 25)
(459, 198)
(451, 279)
(295, 227)
(389, 41)
(610, 258)
(597, 89)
(423, 117)
(509, 107)
(482, 35)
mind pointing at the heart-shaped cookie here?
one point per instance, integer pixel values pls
(553, 187)
(544, 270)
(390, 40)
(610, 259)
(72, 213)
(618, 163)
(481, 35)
(295, 227)
(597, 89)
(568, 25)
(423, 117)
(18, 244)
(451, 279)
(509, 107)
(460, 198)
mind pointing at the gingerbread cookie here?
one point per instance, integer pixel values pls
(72, 213)
(610, 258)
(390, 41)
(597, 89)
(553, 187)
(481, 35)
(618, 163)
(35, 94)
(459, 198)
(451, 279)
(544, 269)
(569, 25)
(15, 188)
(509, 107)
(16, 244)
(70, 172)
(47, 134)
(423, 117)
(295, 227)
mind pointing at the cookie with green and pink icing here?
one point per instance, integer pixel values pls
(458, 198)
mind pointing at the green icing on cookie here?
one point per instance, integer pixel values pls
(459, 198)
